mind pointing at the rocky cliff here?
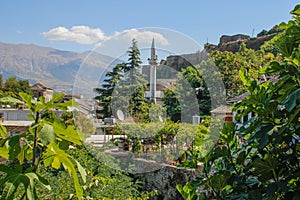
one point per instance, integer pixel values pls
(227, 43)
(233, 43)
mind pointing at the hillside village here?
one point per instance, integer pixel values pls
(16, 121)
(221, 123)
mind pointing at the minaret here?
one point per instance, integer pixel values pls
(153, 64)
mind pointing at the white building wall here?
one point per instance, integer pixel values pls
(15, 114)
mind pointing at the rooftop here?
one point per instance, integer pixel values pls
(40, 86)
(222, 109)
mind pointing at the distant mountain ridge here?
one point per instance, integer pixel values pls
(53, 67)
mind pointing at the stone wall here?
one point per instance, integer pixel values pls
(155, 174)
(165, 179)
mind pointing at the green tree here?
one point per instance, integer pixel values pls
(156, 112)
(194, 78)
(67, 118)
(16, 86)
(136, 84)
(107, 88)
(83, 124)
(190, 94)
(25, 86)
(172, 104)
(230, 63)
(134, 61)
(12, 84)
(125, 80)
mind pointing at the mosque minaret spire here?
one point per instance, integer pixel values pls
(153, 64)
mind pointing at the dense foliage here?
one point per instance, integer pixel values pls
(261, 159)
(169, 138)
(104, 179)
(229, 65)
(43, 144)
(125, 80)
(188, 97)
(12, 87)
(41, 161)
(191, 82)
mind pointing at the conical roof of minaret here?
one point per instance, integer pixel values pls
(153, 43)
(153, 59)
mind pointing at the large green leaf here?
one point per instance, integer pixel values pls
(21, 155)
(14, 146)
(9, 99)
(244, 77)
(296, 10)
(252, 181)
(219, 181)
(55, 104)
(274, 67)
(68, 134)
(188, 192)
(292, 100)
(47, 135)
(13, 178)
(241, 158)
(265, 169)
(4, 152)
(3, 131)
(227, 133)
(81, 171)
(28, 100)
(11, 183)
(261, 134)
(34, 176)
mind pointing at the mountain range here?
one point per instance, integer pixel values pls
(55, 68)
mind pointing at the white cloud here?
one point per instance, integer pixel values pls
(94, 36)
(79, 34)
(141, 36)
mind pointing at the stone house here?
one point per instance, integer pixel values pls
(39, 90)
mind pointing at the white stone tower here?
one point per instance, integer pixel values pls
(153, 64)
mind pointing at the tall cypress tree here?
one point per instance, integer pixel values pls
(105, 92)
(138, 104)
(133, 67)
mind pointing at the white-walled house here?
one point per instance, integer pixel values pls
(11, 114)
(15, 120)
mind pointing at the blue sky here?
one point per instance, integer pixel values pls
(63, 24)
